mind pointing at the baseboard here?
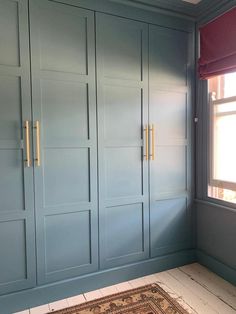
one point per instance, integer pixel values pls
(216, 266)
(44, 294)
(18, 301)
(21, 300)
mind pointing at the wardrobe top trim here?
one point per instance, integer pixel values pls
(157, 16)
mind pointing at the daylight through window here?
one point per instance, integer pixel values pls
(222, 143)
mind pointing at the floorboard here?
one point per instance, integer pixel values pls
(199, 291)
(40, 309)
(221, 288)
(196, 303)
(194, 287)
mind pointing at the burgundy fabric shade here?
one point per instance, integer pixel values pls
(218, 46)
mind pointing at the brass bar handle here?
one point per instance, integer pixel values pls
(27, 144)
(146, 130)
(152, 129)
(37, 159)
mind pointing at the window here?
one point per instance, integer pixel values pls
(222, 140)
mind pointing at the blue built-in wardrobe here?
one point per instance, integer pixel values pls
(95, 146)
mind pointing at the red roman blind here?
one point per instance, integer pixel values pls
(218, 46)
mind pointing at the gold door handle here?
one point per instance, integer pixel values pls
(147, 142)
(27, 144)
(152, 129)
(37, 159)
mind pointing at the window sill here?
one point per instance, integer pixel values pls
(217, 203)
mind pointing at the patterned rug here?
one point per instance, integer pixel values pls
(150, 299)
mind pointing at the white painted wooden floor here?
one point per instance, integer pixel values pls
(196, 288)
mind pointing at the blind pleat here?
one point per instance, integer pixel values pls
(218, 46)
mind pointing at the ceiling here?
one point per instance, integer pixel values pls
(192, 9)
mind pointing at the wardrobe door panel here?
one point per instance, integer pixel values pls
(10, 119)
(122, 50)
(168, 56)
(13, 232)
(170, 116)
(68, 243)
(62, 97)
(64, 103)
(122, 115)
(9, 36)
(122, 106)
(123, 163)
(71, 165)
(169, 225)
(170, 113)
(122, 239)
(17, 237)
(63, 42)
(169, 171)
(11, 180)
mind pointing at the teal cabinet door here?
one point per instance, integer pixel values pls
(64, 104)
(17, 237)
(122, 72)
(169, 113)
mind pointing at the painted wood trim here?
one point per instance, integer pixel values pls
(175, 8)
(201, 139)
(210, 12)
(45, 294)
(170, 7)
(213, 204)
(200, 11)
(155, 16)
(203, 12)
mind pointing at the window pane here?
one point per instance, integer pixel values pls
(222, 150)
(223, 86)
(225, 147)
(230, 83)
(222, 194)
(225, 108)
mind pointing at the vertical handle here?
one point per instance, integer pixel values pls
(147, 142)
(27, 144)
(152, 129)
(37, 159)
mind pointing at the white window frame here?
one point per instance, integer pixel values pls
(211, 181)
